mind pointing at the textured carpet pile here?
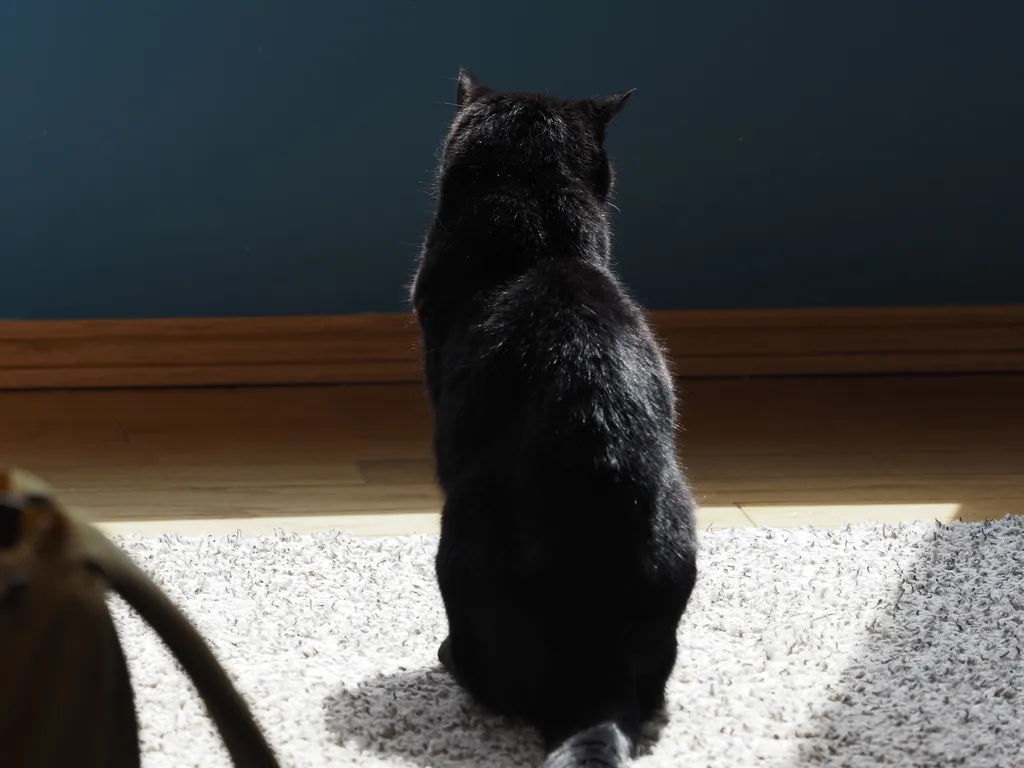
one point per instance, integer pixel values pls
(872, 645)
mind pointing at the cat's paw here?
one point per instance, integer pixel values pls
(444, 655)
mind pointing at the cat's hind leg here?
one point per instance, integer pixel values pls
(446, 656)
(654, 665)
(468, 602)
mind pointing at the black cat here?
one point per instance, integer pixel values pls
(568, 549)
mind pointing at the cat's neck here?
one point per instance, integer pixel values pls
(515, 224)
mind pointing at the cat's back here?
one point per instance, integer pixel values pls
(563, 316)
(565, 423)
(565, 349)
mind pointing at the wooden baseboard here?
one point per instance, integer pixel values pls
(384, 348)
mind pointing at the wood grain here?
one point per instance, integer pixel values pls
(766, 451)
(207, 351)
(844, 341)
(384, 348)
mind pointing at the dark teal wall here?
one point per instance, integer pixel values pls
(245, 157)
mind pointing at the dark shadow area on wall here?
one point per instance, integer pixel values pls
(239, 158)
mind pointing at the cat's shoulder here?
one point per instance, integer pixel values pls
(566, 288)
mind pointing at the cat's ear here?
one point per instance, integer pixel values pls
(470, 89)
(607, 107)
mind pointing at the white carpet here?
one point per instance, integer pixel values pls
(859, 647)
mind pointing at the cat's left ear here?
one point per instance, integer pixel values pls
(607, 107)
(470, 89)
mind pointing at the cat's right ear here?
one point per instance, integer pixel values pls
(607, 107)
(470, 89)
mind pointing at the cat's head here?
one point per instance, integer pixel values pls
(500, 137)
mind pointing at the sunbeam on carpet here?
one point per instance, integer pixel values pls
(860, 646)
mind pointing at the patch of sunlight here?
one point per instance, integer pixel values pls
(377, 524)
(839, 515)
(722, 517)
(406, 523)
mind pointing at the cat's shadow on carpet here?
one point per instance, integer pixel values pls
(422, 717)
